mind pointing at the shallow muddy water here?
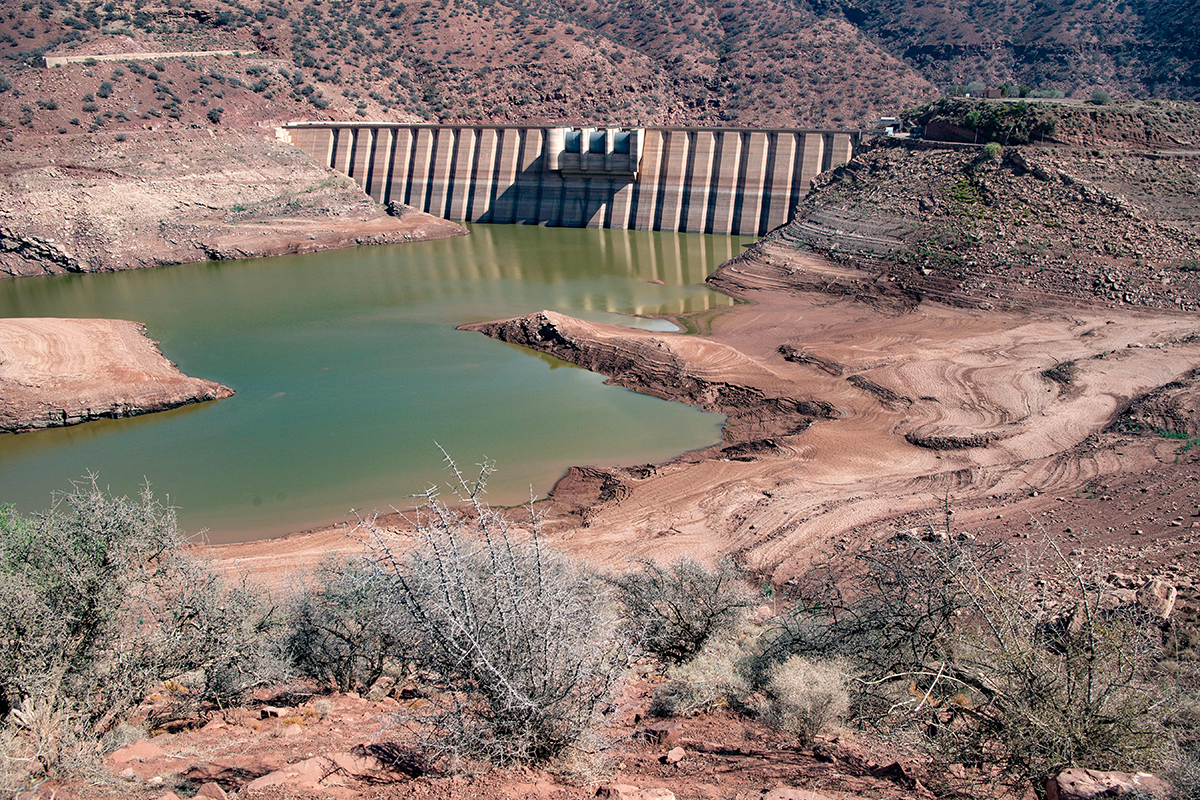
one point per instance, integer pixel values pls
(348, 369)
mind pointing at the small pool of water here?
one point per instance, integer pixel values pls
(348, 369)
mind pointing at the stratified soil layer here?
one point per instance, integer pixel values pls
(57, 372)
(79, 204)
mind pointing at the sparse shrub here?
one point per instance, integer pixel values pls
(521, 640)
(120, 137)
(105, 90)
(674, 610)
(709, 681)
(344, 628)
(804, 697)
(1100, 97)
(985, 670)
(992, 150)
(5, 84)
(214, 114)
(90, 108)
(99, 602)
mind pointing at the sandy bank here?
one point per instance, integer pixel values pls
(848, 418)
(57, 372)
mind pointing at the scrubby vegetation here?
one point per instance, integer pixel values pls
(99, 603)
(521, 639)
(518, 649)
(674, 610)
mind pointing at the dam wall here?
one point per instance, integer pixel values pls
(698, 180)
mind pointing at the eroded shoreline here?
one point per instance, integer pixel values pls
(58, 372)
(927, 402)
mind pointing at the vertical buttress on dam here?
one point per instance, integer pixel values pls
(698, 180)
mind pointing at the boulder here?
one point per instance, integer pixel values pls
(674, 755)
(312, 771)
(1086, 784)
(141, 750)
(212, 791)
(381, 688)
(623, 791)
(1157, 598)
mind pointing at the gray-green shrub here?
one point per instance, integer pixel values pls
(805, 696)
(99, 602)
(711, 680)
(519, 638)
(344, 628)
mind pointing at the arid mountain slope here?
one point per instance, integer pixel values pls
(83, 203)
(776, 62)
(767, 63)
(1141, 48)
(1027, 227)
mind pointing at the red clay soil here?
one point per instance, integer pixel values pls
(848, 418)
(297, 745)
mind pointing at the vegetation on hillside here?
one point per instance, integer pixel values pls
(639, 62)
(780, 62)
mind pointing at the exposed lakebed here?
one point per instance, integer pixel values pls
(348, 368)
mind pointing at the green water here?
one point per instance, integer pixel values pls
(348, 368)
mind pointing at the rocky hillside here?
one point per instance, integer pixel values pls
(1020, 226)
(766, 63)
(776, 62)
(101, 202)
(1141, 48)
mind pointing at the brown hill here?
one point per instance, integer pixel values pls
(1028, 226)
(1141, 48)
(769, 63)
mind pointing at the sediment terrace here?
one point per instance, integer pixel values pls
(849, 416)
(922, 404)
(702, 180)
(56, 372)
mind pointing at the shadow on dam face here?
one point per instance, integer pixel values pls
(695, 180)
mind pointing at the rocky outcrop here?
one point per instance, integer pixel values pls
(1090, 784)
(705, 373)
(181, 196)
(38, 255)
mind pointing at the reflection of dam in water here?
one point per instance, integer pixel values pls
(671, 259)
(701, 180)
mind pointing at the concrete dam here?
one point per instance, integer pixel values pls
(697, 180)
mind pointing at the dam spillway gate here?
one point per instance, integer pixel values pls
(696, 180)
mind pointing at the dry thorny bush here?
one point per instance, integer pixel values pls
(521, 643)
(979, 669)
(345, 628)
(673, 610)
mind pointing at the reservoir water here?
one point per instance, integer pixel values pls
(347, 369)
